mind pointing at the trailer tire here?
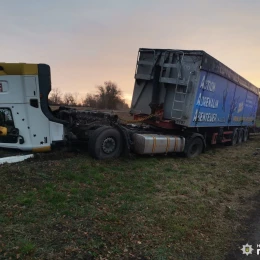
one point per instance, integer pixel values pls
(245, 137)
(234, 137)
(194, 147)
(105, 143)
(240, 138)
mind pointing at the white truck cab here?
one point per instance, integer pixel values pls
(26, 121)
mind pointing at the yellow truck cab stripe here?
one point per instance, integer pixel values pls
(18, 69)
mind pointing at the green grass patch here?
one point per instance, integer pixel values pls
(133, 208)
(26, 247)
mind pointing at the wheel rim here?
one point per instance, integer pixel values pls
(109, 145)
(194, 149)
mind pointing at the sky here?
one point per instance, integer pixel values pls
(87, 42)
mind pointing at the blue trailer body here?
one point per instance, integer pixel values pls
(221, 102)
(193, 89)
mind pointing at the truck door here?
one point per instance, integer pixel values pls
(30, 86)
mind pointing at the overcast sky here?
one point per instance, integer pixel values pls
(88, 42)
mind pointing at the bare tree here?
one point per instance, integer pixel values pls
(69, 100)
(122, 105)
(76, 97)
(55, 97)
(109, 95)
(90, 101)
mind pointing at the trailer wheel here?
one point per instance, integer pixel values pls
(194, 147)
(105, 143)
(245, 137)
(240, 136)
(234, 137)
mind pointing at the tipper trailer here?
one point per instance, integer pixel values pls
(182, 100)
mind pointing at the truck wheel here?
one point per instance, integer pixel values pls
(234, 137)
(194, 147)
(240, 136)
(105, 143)
(245, 137)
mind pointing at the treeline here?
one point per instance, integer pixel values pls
(108, 96)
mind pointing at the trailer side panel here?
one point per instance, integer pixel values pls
(221, 102)
(193, 90)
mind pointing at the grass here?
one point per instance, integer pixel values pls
(66, 206)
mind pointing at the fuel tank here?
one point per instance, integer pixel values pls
(155, 143)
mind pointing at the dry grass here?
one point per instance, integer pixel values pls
(69, 206)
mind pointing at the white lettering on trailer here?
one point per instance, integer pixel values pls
(250, 100)
(207, 102)
(204, 117)
(208, 85)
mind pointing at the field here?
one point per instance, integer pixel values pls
(65, 205)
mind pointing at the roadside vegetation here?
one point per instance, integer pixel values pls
(108, 96)
(68, 206)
